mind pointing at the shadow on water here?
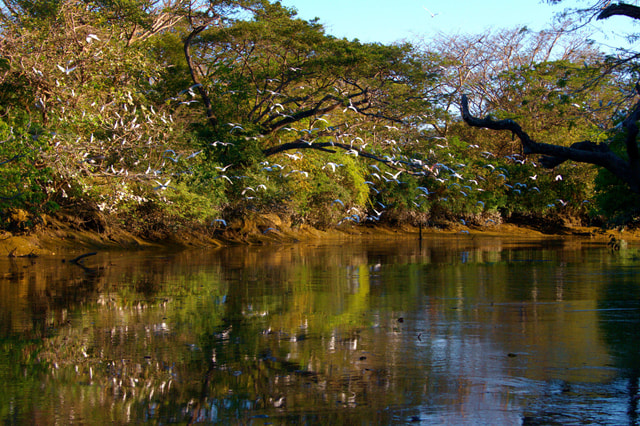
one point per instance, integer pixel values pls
(449, 330)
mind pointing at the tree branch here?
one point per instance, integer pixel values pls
(327, 147)
(620, 9)
(161, 22)
(581, 152)
(630, 123)
(300, 115)
(213, 120)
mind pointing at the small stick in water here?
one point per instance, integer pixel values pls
(82, 256)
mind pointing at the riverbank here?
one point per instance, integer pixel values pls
(62, 234)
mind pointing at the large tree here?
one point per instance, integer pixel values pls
(284, 81)
(626, 165)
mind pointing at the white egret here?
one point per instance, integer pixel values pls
(224, 177)
(66, 70)
(433, 15)
(297, 156)
(223, 169)
(91, 37)
(332, 165)
(394, 177)
(162, 186)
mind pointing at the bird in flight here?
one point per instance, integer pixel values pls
(433, 15)
(66, 70)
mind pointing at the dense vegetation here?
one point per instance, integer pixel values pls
(161, 116)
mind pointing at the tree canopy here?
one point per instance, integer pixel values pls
(160, 114)
(624, 165)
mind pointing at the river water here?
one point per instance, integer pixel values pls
(451, 330)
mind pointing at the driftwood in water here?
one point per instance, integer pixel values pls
(77, 259)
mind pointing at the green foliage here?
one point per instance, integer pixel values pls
(614, 201)
(113, 116)
(26, 182)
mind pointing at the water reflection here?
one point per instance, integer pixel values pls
(453, 330)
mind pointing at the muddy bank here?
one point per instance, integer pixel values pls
(57, 235)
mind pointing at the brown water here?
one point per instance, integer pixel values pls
(455, 330)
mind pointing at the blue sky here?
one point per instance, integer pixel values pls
(390, 21)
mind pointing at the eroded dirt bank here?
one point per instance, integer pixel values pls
(60, 235)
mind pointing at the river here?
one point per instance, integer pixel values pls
(456, 329)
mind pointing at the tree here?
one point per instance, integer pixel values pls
(283, 81)
(625, 166)
(475, 64)
(77, 100)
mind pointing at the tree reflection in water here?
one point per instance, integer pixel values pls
(448, 330)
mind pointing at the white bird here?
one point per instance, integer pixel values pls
(302, 172)
(337, 201)
(174, 158)
(350, 107)
(162, 186)
(332, 165)
(234, 126)
(558, 177)
(224, 223)
(225, 177)
(193, 154)
(433, 15)
(394, 177)
(294, 157)
(92, 37)
(66, 70)
(224, 169)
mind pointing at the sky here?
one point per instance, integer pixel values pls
(397, 20)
